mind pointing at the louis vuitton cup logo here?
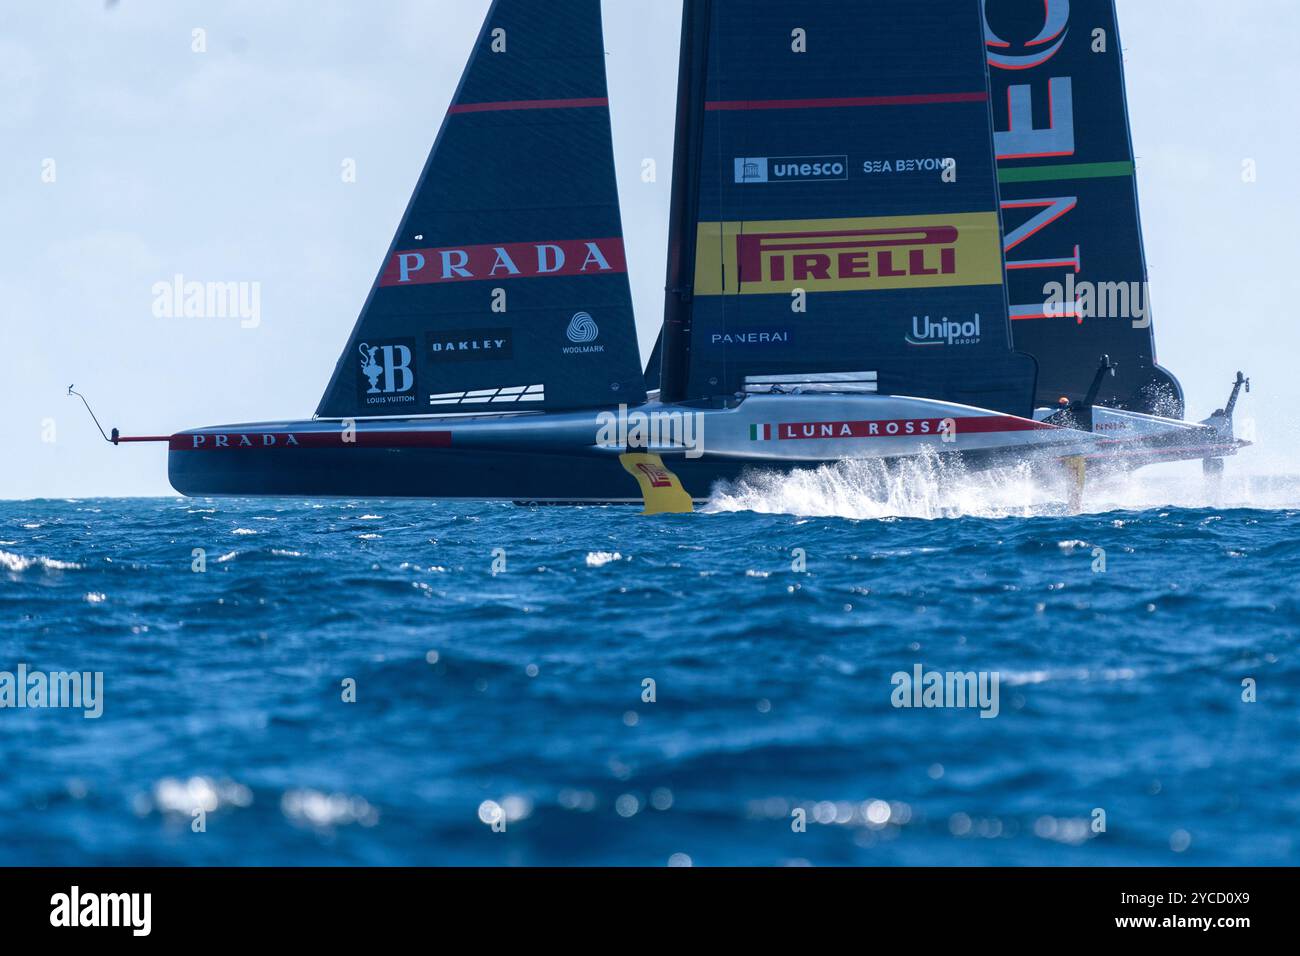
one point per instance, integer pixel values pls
(387, 372)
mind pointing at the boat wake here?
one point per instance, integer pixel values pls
(931, 488)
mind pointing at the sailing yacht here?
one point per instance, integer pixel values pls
(847, 225)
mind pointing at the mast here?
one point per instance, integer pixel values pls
(692, 76)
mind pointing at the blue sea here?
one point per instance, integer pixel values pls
(380, 682)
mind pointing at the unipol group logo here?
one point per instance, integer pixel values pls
(945, 331)
(838, 255)
(582, 332)
(387, 372)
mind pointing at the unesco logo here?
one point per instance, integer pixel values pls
(791, 169)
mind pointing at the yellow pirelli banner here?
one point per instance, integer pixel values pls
(844, 255)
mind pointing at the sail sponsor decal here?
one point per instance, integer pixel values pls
(343, 438)
(892, 428)
(470, 345)
(583, 332)
(945, 331)
(511, 260)
(909, 165)
(762, 337)
(791, 169)
(842, 255)
(387, 372)
(835, 168)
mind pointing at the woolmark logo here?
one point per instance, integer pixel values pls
(582, 328)
(582, 331)
(791, 169)
(927, 331)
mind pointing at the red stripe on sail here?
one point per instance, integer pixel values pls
(575, 104)
(918, 99)
(249, 440)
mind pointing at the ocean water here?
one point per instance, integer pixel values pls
(499, 659)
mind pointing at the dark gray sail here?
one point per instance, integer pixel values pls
(835, 203)
(505, 288)
(1076, 272)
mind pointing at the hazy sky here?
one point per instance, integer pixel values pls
(227, 165)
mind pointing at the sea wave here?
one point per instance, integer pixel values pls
(18, 563)
(614, 689)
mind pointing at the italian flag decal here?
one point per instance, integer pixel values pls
(760, 432)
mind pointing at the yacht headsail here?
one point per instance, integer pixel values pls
(506, 288)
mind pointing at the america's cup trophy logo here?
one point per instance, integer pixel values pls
(370, 368)
(387, 366)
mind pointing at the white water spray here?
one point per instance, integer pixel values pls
(930, 488)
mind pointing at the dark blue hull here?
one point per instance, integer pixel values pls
(429, 473)
(575, 457)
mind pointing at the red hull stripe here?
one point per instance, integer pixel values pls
(920, 99)
(250, 440)
(899, 428)
(529, 105)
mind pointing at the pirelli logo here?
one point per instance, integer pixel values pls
(842, 255)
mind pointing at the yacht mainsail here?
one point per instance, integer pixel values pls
(835, 204)
(1076, 271)
(506, 288)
